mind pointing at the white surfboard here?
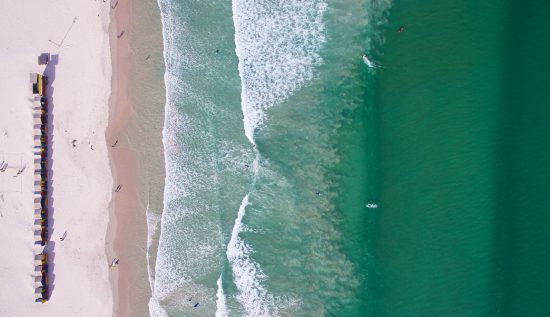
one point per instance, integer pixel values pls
(368, 61)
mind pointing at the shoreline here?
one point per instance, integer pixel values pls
(134, 126)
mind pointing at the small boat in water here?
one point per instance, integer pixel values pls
(368, 61)
(371, 205)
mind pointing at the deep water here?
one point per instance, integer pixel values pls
(463, 223)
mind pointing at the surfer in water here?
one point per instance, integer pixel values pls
(368, 61)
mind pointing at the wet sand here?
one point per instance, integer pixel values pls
(137, 162)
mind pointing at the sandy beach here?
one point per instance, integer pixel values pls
(75, 33)
(135, 125)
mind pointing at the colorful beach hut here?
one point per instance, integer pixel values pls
(40, 152)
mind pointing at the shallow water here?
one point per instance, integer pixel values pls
(258, 96)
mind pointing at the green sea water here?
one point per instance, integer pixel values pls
(277, 135)
(462, 119)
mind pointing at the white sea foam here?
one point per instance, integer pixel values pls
(153, 225)
(277, 43)
(168, 279)
(247, 273)
(155, 309)
(221, 304)
(190, 237)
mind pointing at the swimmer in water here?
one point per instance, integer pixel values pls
(401, 29)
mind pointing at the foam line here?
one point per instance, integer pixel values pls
(155, 309)
(221, 304)
(277, 43)
(247, 273)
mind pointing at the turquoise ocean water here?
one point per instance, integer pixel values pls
(277, 136)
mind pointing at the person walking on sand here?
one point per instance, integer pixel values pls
(19, 172)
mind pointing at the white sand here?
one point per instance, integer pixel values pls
(82, 181)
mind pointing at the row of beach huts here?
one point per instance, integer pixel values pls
(41, 146)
